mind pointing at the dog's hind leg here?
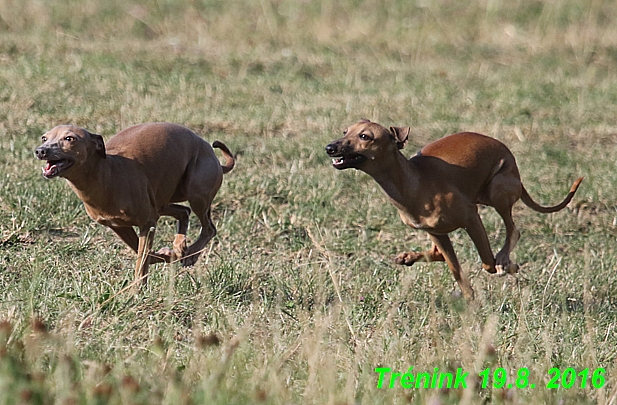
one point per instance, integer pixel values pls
(503, 191)
(504, 264)
(181, 213)
(201, 208)
(477, 233)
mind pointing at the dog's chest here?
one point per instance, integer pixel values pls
(115, 218)
(410, 221)
(113, 222)
(433, 215)
(430, 222)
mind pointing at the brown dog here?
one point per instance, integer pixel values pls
(438, 189)
(136, 178)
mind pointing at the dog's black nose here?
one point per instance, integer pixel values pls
(330, 149)
(41, 152)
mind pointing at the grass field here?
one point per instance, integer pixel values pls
(297, 300)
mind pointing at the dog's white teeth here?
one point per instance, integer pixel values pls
(337, 160)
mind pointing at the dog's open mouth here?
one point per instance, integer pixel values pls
(347, 161)
(55, 167)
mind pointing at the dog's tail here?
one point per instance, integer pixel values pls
(545, 210)
(229, 157)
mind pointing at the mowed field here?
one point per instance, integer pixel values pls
(297, 299)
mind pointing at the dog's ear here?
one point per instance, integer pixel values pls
(364, 120)
(401, 134)
(99, 145)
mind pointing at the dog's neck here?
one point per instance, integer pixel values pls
(397, 178)
(84, 177)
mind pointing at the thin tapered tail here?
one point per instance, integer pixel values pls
(545, 210)
(229, 157)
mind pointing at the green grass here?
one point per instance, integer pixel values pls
(297, 300)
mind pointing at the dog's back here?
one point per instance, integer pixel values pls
(172, 157)
(152, 141)
(467, 160)
(467, 149)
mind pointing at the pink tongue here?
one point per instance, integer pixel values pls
(49, 169)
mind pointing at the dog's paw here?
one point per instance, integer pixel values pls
(180, 247)
(407, 258)
(163, 255)
(508, 268)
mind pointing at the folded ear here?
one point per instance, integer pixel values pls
(99, 145)
(364, 120)
(400, 134)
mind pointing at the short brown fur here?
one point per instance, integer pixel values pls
(138, 176)
(438, 189)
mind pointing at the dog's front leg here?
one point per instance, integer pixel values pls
(444, 245)
(409, 258)
(146, 240)
(128, 236)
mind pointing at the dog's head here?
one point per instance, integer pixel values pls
(364, 143)
(66, 146)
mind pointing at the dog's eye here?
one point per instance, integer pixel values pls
(345, 132)
(69, 138)
(364, 137)
(44, 139)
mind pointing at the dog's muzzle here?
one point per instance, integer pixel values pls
(54, 165)
(342, 159)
